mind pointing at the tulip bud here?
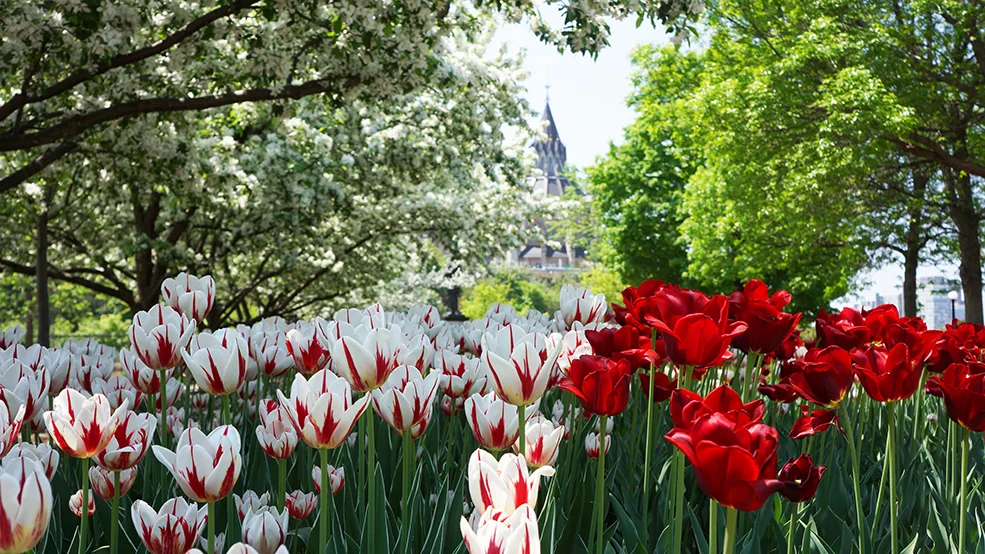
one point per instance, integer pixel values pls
(265, 530)
(336, 478)
(102, 482)
(250, 501)
(300, 505)
(220, 542)
(75, 504)
(592, 444)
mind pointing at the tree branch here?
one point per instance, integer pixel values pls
(36, 165)
(54, 273)
(928, 149)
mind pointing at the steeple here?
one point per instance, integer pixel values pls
(551, 153)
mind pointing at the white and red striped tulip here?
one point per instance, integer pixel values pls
(22, 386)
(543, 440)
(592, 444)
(75, 504)
(451, 406)
(519, 364)
(415, 350)
(428, 318)
(25, 503)
(250, 501)
(498, 533)
(494, 422)
(41, 453)
(579, 304)
(269, 351)
(240, 548)
(220, 367)
(405, 398)
(276, 435)
(118, 388)
(172, 530)
(190, 296)
(80, 426)
(310, 350)
(174, 390)
(144, 378)
(102, 482)
(365, 361)
(503, 484)
(159, 335)
(265, 529)
(11, 336)
(220, 542)
(336, 478)
(10, 428)
(301, 504)
(322, 410)
(206, 467)
(129, 442)
(461, 375)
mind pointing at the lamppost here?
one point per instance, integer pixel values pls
(953, 296)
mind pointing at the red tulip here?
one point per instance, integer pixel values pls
(625, 342)
(601, 384)
(800, 479)
(956, 344)
(788, 348)
(812, 422)
(662, 386)
(822, 377)
(639, 302)
(767, 325)
(781, 392)
(698, 339)
(845, 329)
(734, 461)
(686, 407)
(886, 375)
(963, 393)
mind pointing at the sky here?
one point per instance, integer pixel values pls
(588, 100)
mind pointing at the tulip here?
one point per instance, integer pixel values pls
(625, 342)
(311, 352)
(593, 445)
(116, 389)
(846, 329)
(41, 453)
(159, 335)
(686, 406)
(498, 533)
(578, 304)
(75, 503)
(11, 336)
(129, 442)
(190, 296)
(600, 384)
(366, 362)
(519, 364)
(205, 466)
(278, 439)
(698, 339)
(21, 386)
(494, 423)
(460, 375)
(822, 376)
(143, 377)
(812, 422)
(543, 443)
(405, 397)
(80, 426)
(220, 543)
(250, 501)
(9, 428)
(886, 375)
(767, 325)
(172, 530)
(302, 504)
(219, 368)
(25, 503)
(240, 548)
(104, 482)
(963, 393)
(451, 406)
(505, 484)
(336, 478)
(265, 530)
(663, 387)
(640, 302)
(801, 478)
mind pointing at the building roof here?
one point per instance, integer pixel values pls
(551, 158)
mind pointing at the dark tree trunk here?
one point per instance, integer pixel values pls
(914, 241)
(910, 262)
(41, 279)
(962, 210)
(29, 337)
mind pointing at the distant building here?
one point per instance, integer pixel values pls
(549, 179)
(933, 305)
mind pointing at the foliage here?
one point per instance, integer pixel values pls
(513, 285)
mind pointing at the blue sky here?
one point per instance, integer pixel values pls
(588, 100)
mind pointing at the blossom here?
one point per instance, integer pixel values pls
(173, 529)
(250, 501)
(800, 478)
(578, 304)
(543, 443)
(767, 326)
(519, 364)
(460, 375)
(964, 395)
(80, 426)
(322, 410)
(205, 466)
(219, 364)
(276, 435)
(10, 428)
(102, 482)
(190, 296)
(497, 532)
(42, 453)
(129, 442)
(593, 444)
(365, 362)
(336, 478)
(886, 375)
(25, 503)
(494, 423)
(159, 335)
(301, 504)
(75, 504)
(504, 484)
(600, 384)
(265, 530)
(405, 399)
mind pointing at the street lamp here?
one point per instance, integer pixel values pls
(953, 296)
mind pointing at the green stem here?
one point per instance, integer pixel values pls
(361, 460)
(963, 512)
(648, 446)
(679, 485)
(891, 453)
(211, 524)
(371, 455)
(730, 514)
(792, 528)
(712, 527)
(860, 517)
(226, 419)
(408, 448)
(115, 515)
(281, 483)
(600, 488)
(326, 488)
(522, 422)
(84, 527)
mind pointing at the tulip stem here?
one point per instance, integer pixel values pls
(730, 516)
(371, 455)
(648, 445)
(600, 488)
(226, 419)
(792, 529)
(712, 527)
(679, 482)
(211, 524)
(281, 482)
(891, 452)
(850, 435)
(115, 515)
(522, 424)
(963, 512)
(408, 448)
(164, 410)
(326, 487)
(84, 527)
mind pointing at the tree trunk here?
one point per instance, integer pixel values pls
(962, 210)
(910, 262)
(914, 241)
(41, 279)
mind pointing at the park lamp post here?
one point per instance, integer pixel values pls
(953, 296)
